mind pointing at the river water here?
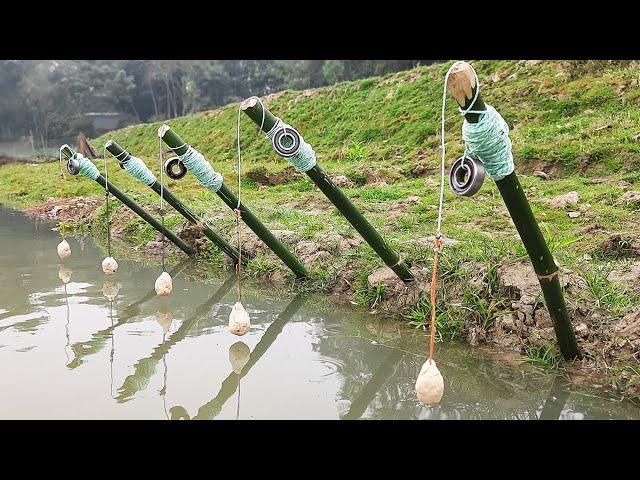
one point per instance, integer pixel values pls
(67, 352)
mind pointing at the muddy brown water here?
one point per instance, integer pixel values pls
(68, 352)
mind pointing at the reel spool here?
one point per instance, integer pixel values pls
(466, 176)
(174, 168)
(73, 166)
(280, 142)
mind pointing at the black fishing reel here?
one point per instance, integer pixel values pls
(286, 142)
(73, 166)
(466, 176)
(174, 168)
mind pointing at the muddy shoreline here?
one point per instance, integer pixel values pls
(610, 346)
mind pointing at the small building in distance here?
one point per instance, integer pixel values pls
(104, 121)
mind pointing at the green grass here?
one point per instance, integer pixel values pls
(543, 356)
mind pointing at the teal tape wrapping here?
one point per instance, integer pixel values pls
(138, 170)
(201, 169)
(86, 167)
(489, 141)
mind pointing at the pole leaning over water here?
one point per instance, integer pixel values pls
(463, 87)
(180, 147)
(264, 118)
(69, 153)
(124, 156)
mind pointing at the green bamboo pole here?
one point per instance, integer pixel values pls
(254, 109)
(213, 407)
(136, 208)
(463, 87)
(123, 156)
(146, 367)
(180, 147)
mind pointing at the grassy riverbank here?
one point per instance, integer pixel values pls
(577, 123)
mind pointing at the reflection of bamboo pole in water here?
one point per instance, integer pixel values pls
(145, 368)
(98, 340)
(212, 408)
(375, 383)
(163, 390)
(66, 326)
(112, 350)
(238, 400)
(556, 400)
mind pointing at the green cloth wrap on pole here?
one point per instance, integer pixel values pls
(488, 140)
(201, 169)
(86, 167)
(138, 170)
(305, 158)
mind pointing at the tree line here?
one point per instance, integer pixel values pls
(48, 99)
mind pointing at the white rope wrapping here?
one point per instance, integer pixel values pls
(305, 158)
(201, 169)
(138, 170)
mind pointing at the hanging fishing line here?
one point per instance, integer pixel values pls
(239, 319)
(109, 264)
(164, 268)
(64, 250)
(164, 283)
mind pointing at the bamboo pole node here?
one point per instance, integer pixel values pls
(548, 277)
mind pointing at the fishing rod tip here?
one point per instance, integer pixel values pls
(163, 130)
(249, 102)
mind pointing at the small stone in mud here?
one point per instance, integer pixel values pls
(582, 330)
(574, 214)
(630, 198)
(562, 201)
(342, 181)
(541, 174)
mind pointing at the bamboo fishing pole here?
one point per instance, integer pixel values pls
(180, 147)
(69, 153)
(124, 156)
(266, 120)
(462, 85)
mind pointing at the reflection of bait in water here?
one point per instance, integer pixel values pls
(110, 290)
(164, 318)
(239, 354)
(64, 274)
(179, 413)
